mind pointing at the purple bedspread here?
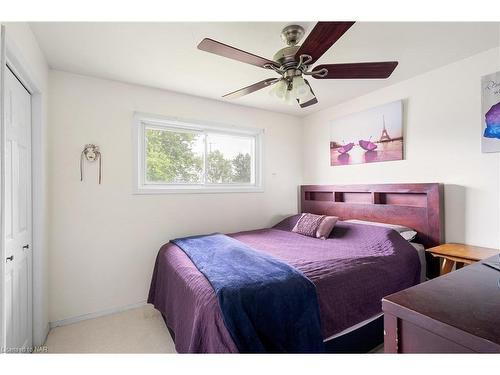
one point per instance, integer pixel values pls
(352, 270)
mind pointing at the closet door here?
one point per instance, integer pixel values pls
(2, 186)
(17, 228)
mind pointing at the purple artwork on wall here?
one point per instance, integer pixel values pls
(370, 136)
(490, 119)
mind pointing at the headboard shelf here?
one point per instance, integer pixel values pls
(397, 199)
(418, 206)
(319, 196)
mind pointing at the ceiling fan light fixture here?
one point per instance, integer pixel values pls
(290, 98)
(279, 89)
(308, 97)
(290, 92)
(300, 88)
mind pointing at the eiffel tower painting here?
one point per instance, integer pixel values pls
(385, 136)
(371, 136)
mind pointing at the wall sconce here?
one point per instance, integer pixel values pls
(92, 154)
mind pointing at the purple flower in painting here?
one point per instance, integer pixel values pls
(492, 119)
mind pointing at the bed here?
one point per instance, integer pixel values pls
(352, 270)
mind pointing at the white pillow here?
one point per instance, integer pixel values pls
(405, 232)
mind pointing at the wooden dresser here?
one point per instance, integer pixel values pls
(455, 313)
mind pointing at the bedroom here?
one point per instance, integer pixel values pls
(133, 145)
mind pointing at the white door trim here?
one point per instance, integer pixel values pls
(16, 62)
(2, 187)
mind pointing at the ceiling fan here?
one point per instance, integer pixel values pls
(294, 62)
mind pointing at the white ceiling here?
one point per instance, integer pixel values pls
(164, 55)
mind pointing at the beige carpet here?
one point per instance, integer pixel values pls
(140, 330)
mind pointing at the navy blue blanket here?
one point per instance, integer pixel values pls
(267, 305)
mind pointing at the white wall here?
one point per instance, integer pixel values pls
(104, 239)
(442, 144)
(22, 44)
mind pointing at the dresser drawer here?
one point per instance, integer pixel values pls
(410, 338)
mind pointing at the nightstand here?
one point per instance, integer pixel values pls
(460, 254)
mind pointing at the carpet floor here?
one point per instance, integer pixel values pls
(140, 330)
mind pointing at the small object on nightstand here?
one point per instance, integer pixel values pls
(460, 255)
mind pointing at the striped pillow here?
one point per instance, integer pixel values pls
(319, 226)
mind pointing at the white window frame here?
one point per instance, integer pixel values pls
(143, 120)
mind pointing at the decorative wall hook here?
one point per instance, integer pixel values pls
(91, 153)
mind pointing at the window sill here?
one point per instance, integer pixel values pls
(196, 190)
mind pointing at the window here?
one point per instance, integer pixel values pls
(177, 156)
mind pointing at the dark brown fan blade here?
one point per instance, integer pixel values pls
(252, 88)
(309, 102)
(221, 49)
(357, 70)
(321, 38)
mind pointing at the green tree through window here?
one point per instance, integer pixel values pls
(218, 168)
(242, 165)
(170, 157)
(177, 157)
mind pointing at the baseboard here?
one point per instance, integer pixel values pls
(45, 334)
(98, 314)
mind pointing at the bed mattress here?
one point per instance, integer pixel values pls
(352, 271)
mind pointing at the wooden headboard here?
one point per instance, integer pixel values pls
(418, 206)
